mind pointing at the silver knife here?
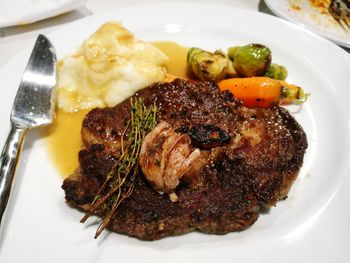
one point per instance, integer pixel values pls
(33, 107)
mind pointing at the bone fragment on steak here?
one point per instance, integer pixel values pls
(166, 157)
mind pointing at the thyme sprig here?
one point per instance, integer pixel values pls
(119, 182)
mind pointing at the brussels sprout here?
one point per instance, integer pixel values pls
(231, 52)
(231, 72)
(191, 53)
(276, 71)
(252, 60)
(206, 65)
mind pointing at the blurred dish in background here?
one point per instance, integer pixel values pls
(313, 15)
(21, 12)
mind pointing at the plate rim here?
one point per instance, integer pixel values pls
(38, 15)
(314, 35)
(270, 4)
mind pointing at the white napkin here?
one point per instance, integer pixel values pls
(19, 12)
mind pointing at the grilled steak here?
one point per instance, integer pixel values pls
(254, 166)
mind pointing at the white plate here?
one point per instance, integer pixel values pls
(318, 20)
(21, 12)
(313, 223)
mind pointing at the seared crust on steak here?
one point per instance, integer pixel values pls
(254, 170)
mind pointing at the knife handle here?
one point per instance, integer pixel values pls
(8, 162)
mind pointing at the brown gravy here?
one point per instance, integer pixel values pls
(63, 136)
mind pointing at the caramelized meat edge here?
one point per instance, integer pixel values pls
(253, 169)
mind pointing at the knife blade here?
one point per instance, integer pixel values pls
(33, 107)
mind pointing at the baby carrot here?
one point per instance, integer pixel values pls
(263, 91)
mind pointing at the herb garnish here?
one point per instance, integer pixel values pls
(119, 182)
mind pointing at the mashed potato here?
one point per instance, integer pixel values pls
(109, 67)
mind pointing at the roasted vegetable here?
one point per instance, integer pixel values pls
(231, 52)
(250, 60)
(263, 91)
(191, 53)
(208, 66)
(241, 61)
(276, 71)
